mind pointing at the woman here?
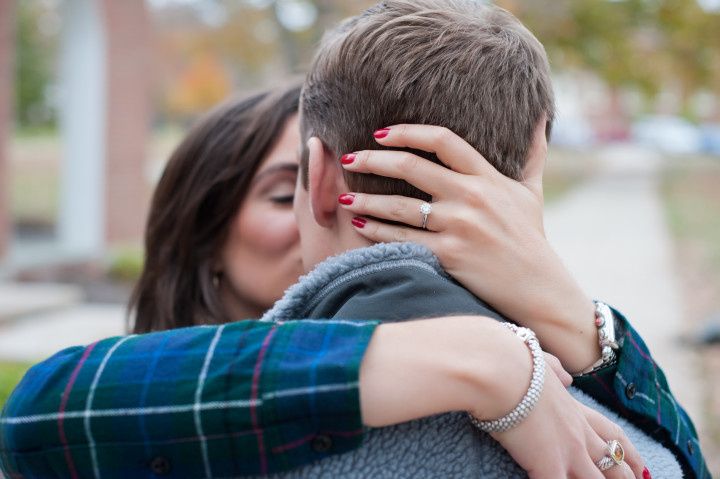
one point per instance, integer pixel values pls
(222, 215)
(221, 237)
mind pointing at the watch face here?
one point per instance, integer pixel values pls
(605, 320)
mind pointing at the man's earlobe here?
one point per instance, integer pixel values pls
(322, 188)
(537, 157)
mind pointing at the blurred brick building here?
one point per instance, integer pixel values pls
(105, 73)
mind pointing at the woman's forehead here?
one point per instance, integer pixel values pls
(286, 148)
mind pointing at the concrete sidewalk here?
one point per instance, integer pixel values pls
(23, 299)
(611, 232)
(38, 336)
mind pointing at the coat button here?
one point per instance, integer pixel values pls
(321, 443)
(160, 465)
(630, 390)
(690, 447)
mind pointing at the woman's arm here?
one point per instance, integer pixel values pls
(487, 231)
(457, 355)
(244, 398)
(478, 365)
(254, 397)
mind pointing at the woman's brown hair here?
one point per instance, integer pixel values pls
(201, 190)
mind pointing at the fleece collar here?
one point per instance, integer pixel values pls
(304, 295)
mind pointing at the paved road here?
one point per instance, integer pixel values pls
(612, 235)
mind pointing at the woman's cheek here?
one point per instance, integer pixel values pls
(277, 231)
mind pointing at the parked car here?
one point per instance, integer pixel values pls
(572, 131)
(669, 134)
(711, 138)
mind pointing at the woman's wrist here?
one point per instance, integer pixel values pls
(562, 316)
(420, 368)
(500, 374)
(531, 397)
(566, 328)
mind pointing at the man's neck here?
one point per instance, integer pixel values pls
(347, 238)
(339, 239)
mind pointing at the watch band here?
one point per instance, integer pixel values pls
(605, 322)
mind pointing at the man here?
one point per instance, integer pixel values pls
(467, 66)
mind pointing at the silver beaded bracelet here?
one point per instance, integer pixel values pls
(528, 402)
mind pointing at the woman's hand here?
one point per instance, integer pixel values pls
(486, 229)
(480, 366)
(563, 438)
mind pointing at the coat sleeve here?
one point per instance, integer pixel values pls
(244, 398)
(636, 387)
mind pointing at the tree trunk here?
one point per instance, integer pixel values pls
(7, 53)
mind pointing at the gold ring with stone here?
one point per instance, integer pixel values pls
(614, 457)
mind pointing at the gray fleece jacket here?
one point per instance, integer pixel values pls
(401, 281)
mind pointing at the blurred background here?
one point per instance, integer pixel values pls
(94, 95)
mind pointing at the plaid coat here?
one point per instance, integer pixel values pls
(221, 401)
(246, 398)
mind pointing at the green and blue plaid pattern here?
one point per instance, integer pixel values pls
(636, 387)
(216, 401)
(247, 398)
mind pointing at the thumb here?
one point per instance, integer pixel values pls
(556, 367)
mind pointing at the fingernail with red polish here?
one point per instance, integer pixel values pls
(381, 133)
(347, 159)
(346, 199)
(359, 222)
(646, 474)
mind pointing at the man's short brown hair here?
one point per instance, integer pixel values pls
(461, 64)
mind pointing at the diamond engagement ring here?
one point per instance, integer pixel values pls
(614, 457)
(425, 209)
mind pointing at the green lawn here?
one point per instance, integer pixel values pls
(692, 200)
(10, 375)
(34, 170)
(34, 177)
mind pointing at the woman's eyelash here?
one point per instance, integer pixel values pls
(284, 199)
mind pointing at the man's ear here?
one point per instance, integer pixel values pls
(537, 156)
(322, 183)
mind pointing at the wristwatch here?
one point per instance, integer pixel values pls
(605, 322)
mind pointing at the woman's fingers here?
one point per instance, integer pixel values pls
(395, 208)
(609, 431)
(598, 451)
(452, 150)
(620, 471)
(554, 363)
(423, 174)
(385, 233)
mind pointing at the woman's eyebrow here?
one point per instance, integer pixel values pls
(289, 167)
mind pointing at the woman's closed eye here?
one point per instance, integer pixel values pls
(280, 190)
(276, 185)
(283, 199)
